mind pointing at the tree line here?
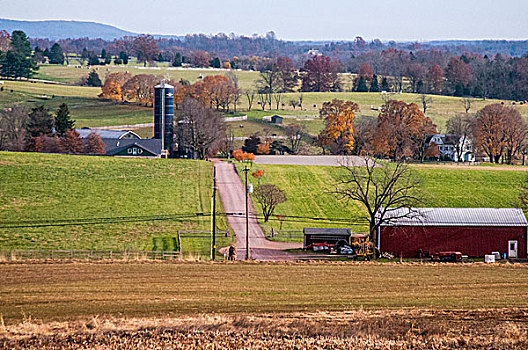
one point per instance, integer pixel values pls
(403, 132)
(37, 130)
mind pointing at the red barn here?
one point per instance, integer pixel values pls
(474, 232)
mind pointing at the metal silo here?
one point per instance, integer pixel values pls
(164, 116)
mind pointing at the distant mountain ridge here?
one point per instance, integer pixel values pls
(60, 29)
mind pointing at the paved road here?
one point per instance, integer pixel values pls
(232, 194)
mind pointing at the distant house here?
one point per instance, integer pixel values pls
(125, 143)
(447, 147)
(276, 119)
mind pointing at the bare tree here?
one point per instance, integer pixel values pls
(13, 123)
(301, 98)
(250, 94)
(426, 101)
(234, 90)
(383, 189)
(460, 128)
(293, 103)
(277, 98)
(199, 128)
(294, 132)
(263, 100)
(467, 101)
(228, 143)
(269, 196)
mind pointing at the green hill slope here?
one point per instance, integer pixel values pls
(53, 201)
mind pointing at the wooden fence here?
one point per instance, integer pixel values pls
(73, 254)
(286, 234)
(15, 255)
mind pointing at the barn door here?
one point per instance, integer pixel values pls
(512, 249)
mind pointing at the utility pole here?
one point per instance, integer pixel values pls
(214, 214)
(246, 169)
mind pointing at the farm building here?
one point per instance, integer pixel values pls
(474, 232)
(276, 119)
(325, 235)
(124, 143)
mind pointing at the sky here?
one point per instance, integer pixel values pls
(400, 20)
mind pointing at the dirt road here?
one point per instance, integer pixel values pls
(232, 194)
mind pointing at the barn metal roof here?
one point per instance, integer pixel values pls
(326, 231)
(456, 217)
(108, 134)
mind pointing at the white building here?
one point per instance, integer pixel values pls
(447, 147)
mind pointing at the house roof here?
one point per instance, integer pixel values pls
(456, 217)
(113, 146)
(326, 231)
(107, 134)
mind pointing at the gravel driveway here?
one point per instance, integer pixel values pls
(310, 160)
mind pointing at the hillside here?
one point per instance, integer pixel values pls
(309, 192)
(54, 201)
(55, 30)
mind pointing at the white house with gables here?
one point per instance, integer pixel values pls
(447, 147)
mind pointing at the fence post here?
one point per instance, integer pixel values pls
(272, 232)
(227, 232)
(179, 244)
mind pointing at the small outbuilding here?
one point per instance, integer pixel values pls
(276, 119)
(325, 235)
(474, 232)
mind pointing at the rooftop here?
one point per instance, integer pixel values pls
(456, 217)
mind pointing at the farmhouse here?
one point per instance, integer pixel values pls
(325, 235)
(447, 145)
(474, 232)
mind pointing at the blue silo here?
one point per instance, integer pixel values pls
(164, 115)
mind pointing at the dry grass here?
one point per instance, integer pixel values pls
(388, 329)
(68, 291)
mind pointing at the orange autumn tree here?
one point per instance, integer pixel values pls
(113, 86)
(257, 174)
(338, 134)
(401, 131)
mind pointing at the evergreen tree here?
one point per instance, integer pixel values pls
(38, 55)
(17, 62)
(40, 122)
(93, 79)
(108, 58)
(93, 60)
(103, 54)
(160, 58)
(374, 84)
(56, 54)
(63, 121)
(118, 61)
(251, 144)
(20, 44)
(215, 63)
(385, 85)
(46, 53)
(124, 57)
(362, 85)
(459, 90)
(177, 60)
(16, 66)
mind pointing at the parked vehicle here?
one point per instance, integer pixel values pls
(450, 256)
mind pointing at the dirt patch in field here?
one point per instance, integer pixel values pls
(388, 329)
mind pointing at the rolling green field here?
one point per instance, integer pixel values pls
(52, 292)
(309, 192)
(121, 198)
(89, 111)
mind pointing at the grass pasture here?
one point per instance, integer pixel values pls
(309, 192)
(43, 197)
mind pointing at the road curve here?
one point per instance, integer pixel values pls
(232, 194)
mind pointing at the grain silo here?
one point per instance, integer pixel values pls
(164, 116)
